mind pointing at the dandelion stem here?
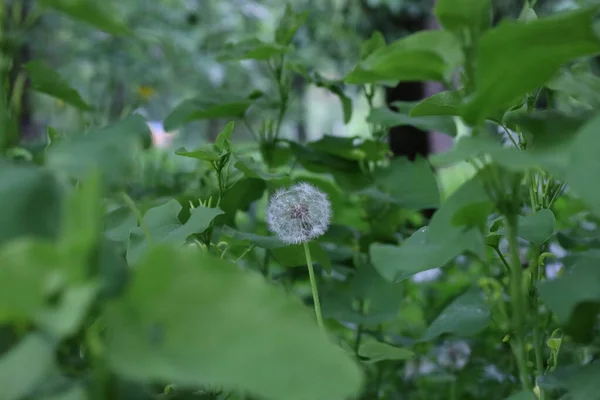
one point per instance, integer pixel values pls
(313, 286)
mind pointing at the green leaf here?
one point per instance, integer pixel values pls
(30, 202)
(164, 227)
(118, 223)
(426, 55)
(208, 106)
(83, 214)
(73, 393)
(575, 298)
(552, 156)
(208, 323)
(522, 396)
(289, 25)
(25, 265)
(250, 49)
(580, 381)
(65, 319)
(293, 256)
(580, 84)
(460, 15)
(253, 169)
(441, 103)
(381, 300)
(265, 242)
(222, 141)
(434, 246)
(378, 351)
(416, 254)
(387, 118)
(95, 14)
(374, 43)
(410, 184)
(113, 150)
(541, 48)
(537, 228)
(583, 163)
(351, 148)
(548, 128)
(45, 80)
(208, 154)
(467, 315)
(25, 367)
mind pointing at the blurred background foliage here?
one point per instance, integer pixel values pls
(174, 56)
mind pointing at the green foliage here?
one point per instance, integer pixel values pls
(132, 272)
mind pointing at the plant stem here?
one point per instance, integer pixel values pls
(313, 286)
(518, 302)
(537, 332)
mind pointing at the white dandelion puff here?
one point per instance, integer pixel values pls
(299, 214)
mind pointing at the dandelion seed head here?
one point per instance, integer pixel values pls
(298, 214)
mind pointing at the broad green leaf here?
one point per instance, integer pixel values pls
(206, 154)
(425, 55)
(25, 268)
(240, 196)
(250, 49)
(580, 85)
(453, 177)
(541, 48)
(447, 221)
(548, 128)
(30, 271)
(66, 317)
(522, 396)
(73, 393)
(208, 106)
(253, 169)
(387, 118)
(293, 256)
(459, 16)
(118, 223)
(351, 148)
(437, 244)
(575, 298)
(467, 315)
(164, 227)
(418, 253)
(580, 381)
(82, 225)
(441, 103)
(289, 25)
(25, 367)
(537, 228)
(553, 157)
(206, 322)
(222, 141)
(381, 299)
(45, 80)
(583, 163)
(409, 184)
(379, 351)
(93, 13)
(30, 202)
(266, 242)
(113, 150)
(374, 43)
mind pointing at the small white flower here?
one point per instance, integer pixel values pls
(298, 214)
